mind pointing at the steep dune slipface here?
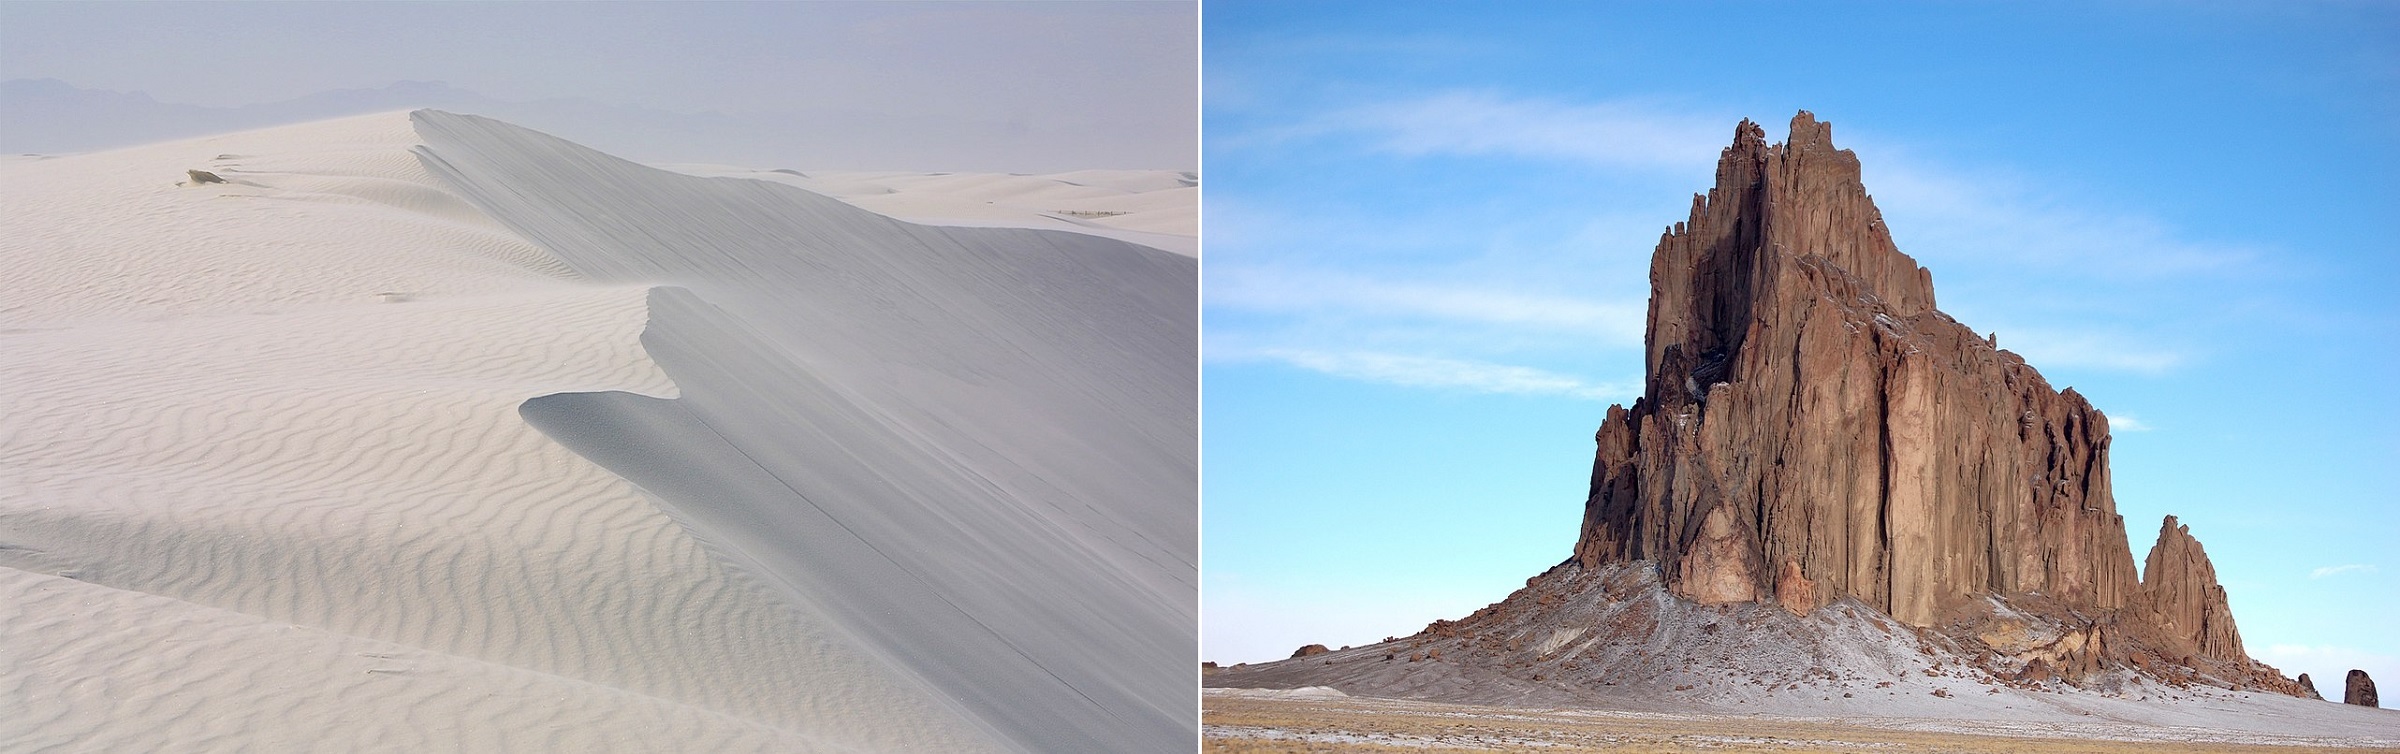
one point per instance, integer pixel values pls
(264, 483)
(972, 447)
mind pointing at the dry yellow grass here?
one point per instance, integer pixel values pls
(1256, 725)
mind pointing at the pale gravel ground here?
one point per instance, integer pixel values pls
(1614, 642)
(1635, 647)
(1270, 720)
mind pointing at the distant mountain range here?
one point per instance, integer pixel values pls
(48, 116)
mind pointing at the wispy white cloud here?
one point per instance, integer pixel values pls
(2090, 349)
(1988, 216)
(2341, 569)
(2127, 423)
(1303, 292)
(1460, 374)
(1480, 123)
(2036, 253)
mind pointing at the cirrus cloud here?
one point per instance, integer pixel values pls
(1436, 372)
(2326, 571)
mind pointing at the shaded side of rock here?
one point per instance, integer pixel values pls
(2309, 688)
(2360, 690)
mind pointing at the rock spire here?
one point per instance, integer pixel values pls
(2179, 596)
(1811, 427)
(1819, 450)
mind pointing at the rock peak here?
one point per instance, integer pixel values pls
(1747, 133)
(1812, 428)
(1814, 437)
(2179, 595)
(1808, 133)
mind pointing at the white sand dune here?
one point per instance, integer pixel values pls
(267, 479)
(1156, 208)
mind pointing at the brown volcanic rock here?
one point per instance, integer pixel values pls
(1819, 450)
(2308, 688)
(2180, 597)
(1812, 428)
(2360, 690)
(1311, 650)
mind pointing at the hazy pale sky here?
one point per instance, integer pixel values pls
(1113, 78)
(1428, 231)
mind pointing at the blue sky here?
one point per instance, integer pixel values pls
(1428, 230)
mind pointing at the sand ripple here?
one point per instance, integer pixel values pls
(264, 485)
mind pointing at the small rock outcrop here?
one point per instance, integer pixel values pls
(1310, 651)
(2309, 688)
(203, 176)
(1812, 428)
(2360, 690)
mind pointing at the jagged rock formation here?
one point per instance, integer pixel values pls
(1830, 487)
(2360, 690)
(2309, 688)
(1812, 428)
(2180, 597)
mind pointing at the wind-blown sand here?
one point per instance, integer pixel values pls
(433, 434)
(1150, 207)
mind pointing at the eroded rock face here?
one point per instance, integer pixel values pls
(1816, 436)
(1813, 428)
(2309, 688)
(1311, 650)
(2180, 597)
(2360, 690)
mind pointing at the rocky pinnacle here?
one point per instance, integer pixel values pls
(2180, 597)
(1812, 427)
(1816, 438)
